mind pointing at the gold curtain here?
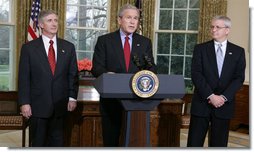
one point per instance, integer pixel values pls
(148, 14)
(23, 12)
(209, 9)
(23, 15)
(148, 8)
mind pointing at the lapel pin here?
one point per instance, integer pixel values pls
(138, 44)
(63, 51)
(230, 53)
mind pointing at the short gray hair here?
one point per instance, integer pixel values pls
(227, 20)
(45, 13)
(125, 7)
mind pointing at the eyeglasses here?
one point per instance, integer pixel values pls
(217, 27)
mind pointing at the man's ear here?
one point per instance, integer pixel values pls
(227, 31)
(119, 20)
(40, 25)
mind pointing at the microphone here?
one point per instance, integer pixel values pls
(148, 62)
(137, 61)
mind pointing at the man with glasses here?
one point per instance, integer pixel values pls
(218, 72)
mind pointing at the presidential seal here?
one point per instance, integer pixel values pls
(145, 83)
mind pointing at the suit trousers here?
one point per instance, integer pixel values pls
(46, 132)
(218, 131)
(111, 112)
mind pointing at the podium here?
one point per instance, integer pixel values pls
(136, 127)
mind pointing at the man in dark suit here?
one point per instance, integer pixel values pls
(47, 87)
(218, 72)
(109, 58)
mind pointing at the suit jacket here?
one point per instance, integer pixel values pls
(37, 86)
(206, 79)
(109, 56)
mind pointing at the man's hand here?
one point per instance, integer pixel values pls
(217, 101)
(26, 111)
(72, 105)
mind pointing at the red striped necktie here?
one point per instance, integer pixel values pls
(127, 52)
(51, 57)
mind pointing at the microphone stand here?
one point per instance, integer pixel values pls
(148, 62)
(137, 62)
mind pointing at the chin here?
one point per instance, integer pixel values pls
(55, 32)
(214, 37)
(131, 31)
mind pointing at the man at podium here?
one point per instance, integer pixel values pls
(122, 51)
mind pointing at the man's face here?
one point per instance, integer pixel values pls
(129, 21)
(49, 25)
(219, 31)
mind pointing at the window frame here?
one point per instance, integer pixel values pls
(171, 31)
(12, 46)
(94, 29)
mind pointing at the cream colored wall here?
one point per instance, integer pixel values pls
(238, 11)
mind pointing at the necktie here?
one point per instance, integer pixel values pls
(51, 57)
(127, 52)
(220, 58)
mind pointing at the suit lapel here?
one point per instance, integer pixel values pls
(212, 57)
(60, 55)
(42, 55)
(117, 43)
(135, 44)
(226, 63)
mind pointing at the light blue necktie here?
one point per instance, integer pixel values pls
(220, 58)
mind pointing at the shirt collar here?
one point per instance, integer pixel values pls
(223, 43)
(47, 39)
(123, 35)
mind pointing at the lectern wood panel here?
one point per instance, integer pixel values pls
(83, 126)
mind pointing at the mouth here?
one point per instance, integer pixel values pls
(132, 27)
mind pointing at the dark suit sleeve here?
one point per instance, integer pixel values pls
(24, 77)
(73, 74)
(198, 79)
(99, 58)
(237, 78)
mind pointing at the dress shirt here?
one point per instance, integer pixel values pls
(123, 38)
(46, 44)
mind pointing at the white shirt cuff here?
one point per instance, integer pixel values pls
(72, 99)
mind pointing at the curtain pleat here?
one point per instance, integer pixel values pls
(148, 14)
(23, 14)
(209, 9)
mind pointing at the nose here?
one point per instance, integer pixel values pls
(55, 22)
(132, 21)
